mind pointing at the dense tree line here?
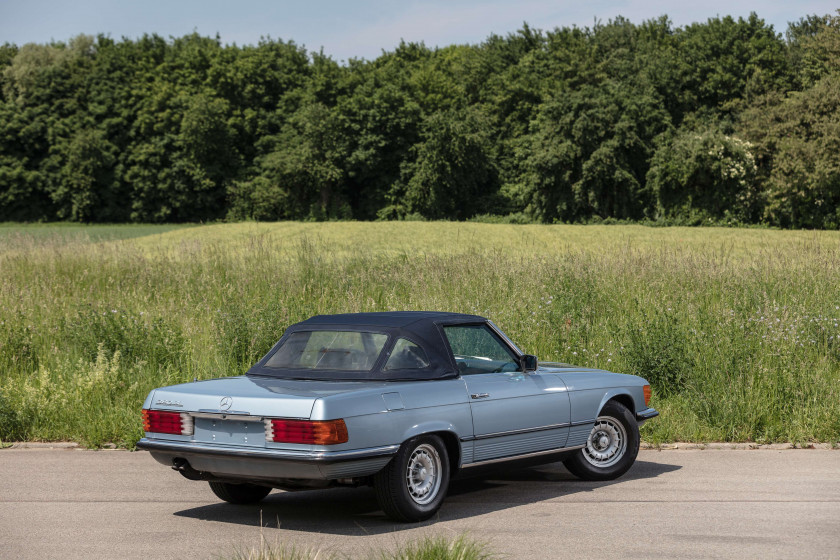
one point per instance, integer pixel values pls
(722, 121)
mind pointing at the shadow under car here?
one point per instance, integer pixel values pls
(355, 512)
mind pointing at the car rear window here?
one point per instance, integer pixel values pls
(329, 350)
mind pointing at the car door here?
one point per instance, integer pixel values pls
(514, 413)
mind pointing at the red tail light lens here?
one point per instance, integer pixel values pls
(317, 432)
(165, 422)
(646, 390)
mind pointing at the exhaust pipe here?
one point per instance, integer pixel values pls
(183, 466)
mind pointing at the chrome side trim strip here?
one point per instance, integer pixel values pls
(527, 430)
(523, 456)
(190, 448)
(515, 432)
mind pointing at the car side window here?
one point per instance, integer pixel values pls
(406, 355)
(479, 350)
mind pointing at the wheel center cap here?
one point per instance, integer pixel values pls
(603, 442)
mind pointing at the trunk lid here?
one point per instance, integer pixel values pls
(238, 396)
(230, 411)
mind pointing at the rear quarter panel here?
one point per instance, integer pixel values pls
(373, 420)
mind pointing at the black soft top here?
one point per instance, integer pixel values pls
(409, 320)
(420, 327)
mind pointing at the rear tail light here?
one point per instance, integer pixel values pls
(166, 422)
(646, 389)
(318, 432)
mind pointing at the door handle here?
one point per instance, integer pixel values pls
(480, 395)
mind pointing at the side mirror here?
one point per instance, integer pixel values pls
(528, 362)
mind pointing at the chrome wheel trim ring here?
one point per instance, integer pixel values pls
(422, 474)
(607, 443)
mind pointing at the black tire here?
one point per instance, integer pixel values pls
(239, 493)
(612, 446)
(408, 497)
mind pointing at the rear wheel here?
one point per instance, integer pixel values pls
(611, 448)
(239, 493)
(413, 485)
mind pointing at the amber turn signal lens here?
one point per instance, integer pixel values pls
(646, 389)
(316, 432)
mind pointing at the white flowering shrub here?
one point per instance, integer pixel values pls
(701, 176)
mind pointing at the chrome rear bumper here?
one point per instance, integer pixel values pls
(263, 463)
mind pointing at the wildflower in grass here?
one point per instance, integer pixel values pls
(783, 359)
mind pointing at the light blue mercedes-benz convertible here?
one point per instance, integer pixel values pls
(401, 401)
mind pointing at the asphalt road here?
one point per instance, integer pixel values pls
(685, 503)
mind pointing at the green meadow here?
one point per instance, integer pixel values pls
(738, 330)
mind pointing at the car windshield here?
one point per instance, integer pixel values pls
(329, 350)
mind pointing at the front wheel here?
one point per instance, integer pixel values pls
(611, 448)
(239, 493)
(413, 485)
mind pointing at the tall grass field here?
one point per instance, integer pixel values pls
(738, 330)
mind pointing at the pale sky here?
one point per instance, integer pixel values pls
(358, 28)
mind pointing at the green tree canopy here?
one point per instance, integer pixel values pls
(722, 120)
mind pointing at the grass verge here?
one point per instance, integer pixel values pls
(738, 330)
(427, 548)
